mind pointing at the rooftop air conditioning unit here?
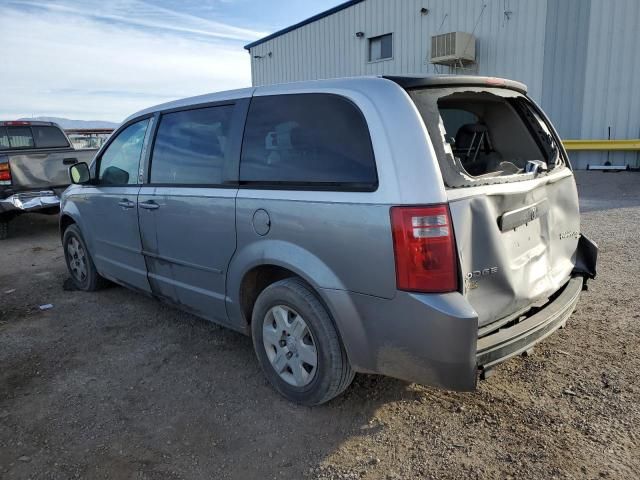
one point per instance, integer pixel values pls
(453, 48)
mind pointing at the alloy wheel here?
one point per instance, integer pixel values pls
(77, 259)
(290, 346)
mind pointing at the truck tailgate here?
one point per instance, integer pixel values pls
(44, 169)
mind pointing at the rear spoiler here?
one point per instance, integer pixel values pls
(456, 81)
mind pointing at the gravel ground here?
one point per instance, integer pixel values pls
(116, 385)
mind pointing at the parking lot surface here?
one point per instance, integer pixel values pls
(116, 385)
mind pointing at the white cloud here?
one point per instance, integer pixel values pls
(141, 13)
(78, 66)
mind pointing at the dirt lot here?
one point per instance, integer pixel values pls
(116, 385)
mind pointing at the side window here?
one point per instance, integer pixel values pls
(191, 146)
(20, 137)
(49, 137)
(307, 140)
(119, 162)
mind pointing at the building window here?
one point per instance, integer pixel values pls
(381, 48)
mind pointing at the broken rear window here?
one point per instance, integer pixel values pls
(486, 135)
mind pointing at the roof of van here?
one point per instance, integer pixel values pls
(199, 99)
(407, 82)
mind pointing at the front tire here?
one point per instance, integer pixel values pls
(83, 272)
(297, 344)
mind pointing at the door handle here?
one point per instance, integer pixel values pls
(69, 161)
(126, 203)
(149, 205)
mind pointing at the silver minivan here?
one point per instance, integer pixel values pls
(425, 228)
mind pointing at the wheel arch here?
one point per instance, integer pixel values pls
(65, 221)
(70, 215)
(260, 264)
(255, 281)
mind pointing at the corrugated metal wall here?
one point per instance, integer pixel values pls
(512, 48)
(579, 58)
(565, 51)
(612, 79)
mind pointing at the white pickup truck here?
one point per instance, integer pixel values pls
(34, 162)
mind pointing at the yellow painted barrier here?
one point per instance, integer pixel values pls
(611, 145)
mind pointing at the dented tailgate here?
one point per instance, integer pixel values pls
(44, 169)
(516, 242)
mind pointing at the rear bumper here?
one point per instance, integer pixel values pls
(29, 201)
(433, 339)
(508, 342)
(424, 338)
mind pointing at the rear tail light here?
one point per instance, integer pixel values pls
(5, 174)
(424, 249)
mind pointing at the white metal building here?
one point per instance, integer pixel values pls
(579, 58)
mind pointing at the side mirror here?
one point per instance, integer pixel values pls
(79, 173)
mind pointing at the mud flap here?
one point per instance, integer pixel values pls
(586, 259)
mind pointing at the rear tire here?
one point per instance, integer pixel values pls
(81, 268)
(291, 331)
(4, 229)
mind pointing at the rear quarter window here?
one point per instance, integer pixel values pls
(307, 140)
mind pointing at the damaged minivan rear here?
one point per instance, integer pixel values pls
(421, 228)
(514, 209)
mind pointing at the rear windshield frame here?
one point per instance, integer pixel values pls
(453, 173)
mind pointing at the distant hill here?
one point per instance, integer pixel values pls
(68, 123)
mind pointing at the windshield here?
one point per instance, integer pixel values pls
(484, 135)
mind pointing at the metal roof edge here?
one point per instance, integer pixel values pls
(309, 20)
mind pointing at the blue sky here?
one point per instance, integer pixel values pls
(105, 59)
